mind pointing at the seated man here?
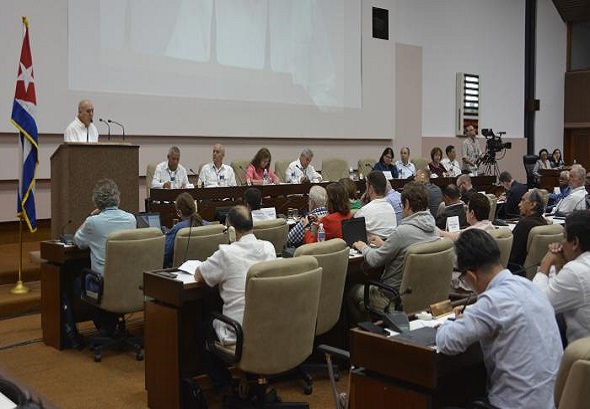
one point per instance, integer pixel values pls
(451, 163)
(394, 198)
(513, 323)
(253, 198)
(465, 187)
(531, 212)
(576, 199)
(171, 174)
(478, 210)
(82, 129)
(564, 190)
(453, 207)
(417, 226)
(435, 196)
(569, 289)
(378, 213)
(227, 268)
(405, 168)
(316, 201)
(514, 192)
(301, 170)
(217, 173)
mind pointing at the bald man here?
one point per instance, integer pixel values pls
(215, 173)
(82, 129)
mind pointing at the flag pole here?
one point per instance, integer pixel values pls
(20, 288)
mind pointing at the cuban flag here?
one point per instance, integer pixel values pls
(24, 113)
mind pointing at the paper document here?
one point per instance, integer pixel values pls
(189, 267)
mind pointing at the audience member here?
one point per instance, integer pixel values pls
(556, 160)
(253, 198)
(338, 210)
(435, 196)
(471, 151)
(378, 213)
(186, 210)
(316, 201)
(477, 216)
(514, 192)
(395, 200)
(82, 129)
(531, 212)
(171, 174)
(217, 173)
(542, 163)
(350, 187)
(576, 199)
(513, 323)
(417, 226)
(564, 190)
(385, 163)
(301, 170)
(465, 187)
(405, 168)
(569, 289)
(227, 269)
(259, 172)
(435, 166)
(453, 207)
(451, 163)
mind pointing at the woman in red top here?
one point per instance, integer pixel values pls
(260, 164)
(338, 210)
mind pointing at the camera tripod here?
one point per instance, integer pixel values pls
(489, 166)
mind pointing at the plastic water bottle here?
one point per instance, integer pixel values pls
(321, 233)
(351, 174)
(265, 177)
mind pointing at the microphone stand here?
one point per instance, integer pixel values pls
(108, 126)
(118, 123)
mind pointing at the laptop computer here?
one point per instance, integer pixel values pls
(353, 230)
(148, 220)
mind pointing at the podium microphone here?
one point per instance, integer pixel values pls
(108, 126)
(66, 238)
(118, 123)
(193, 172)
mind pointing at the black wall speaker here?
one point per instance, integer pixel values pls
(380, 23)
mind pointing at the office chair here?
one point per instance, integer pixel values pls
(332, 256)
(281, 168)
(274, 231)
(573, 377)
(529, 162)
(539, 239)
(279, 325)
(239, 167)
(149, 176)
(128, 254)
(365, 166)
(203, 242)
(504, 240)
(334, 169)
(493, 205)
(420, 163)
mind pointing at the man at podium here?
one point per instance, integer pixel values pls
(82, 129)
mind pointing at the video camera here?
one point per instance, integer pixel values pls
(494, 142)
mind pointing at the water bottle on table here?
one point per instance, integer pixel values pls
(321, 233)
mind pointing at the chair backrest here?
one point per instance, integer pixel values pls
(366, 165)
(274, 231)
(539, 239)
(128, 254)
(529, 162)
(504, 239)
(204, 241)
(282, 298)
(149, 176)
(281, 168)
(420, 163)
(493, 204)
(333, 169)
(428, 268)
(239, 167)
(332, 257)
(573, 377)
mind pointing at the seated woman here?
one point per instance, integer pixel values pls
(338, 210)
(542, 163)
(259, 172)
(186, 209)
(556, 160)
(436, 168)
(350, 187)
(386, 164)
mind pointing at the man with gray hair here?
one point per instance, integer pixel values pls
(171, 174)
(576, 199)
(564, 190)
(82, 129)
(300, 170)
(217, 173)
(317, 206)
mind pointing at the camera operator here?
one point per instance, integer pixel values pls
(471, 151)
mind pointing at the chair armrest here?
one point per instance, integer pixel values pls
(333, 351)
(236, 327)
(395, 296)
(97, 280)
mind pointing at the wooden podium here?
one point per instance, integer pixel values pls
(75, 169)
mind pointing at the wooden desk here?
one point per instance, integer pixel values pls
(411, 376)
(63, 264)
(549, 179)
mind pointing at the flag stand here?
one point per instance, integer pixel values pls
(20, 288)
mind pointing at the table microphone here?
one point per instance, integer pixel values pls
(108, 126)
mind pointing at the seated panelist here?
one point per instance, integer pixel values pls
(171, 174)
(259, 172)
(301, 170)
(216, 173)
(385, 163)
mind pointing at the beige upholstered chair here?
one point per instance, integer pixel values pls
(274, 231)
(281, 169)
(279, 325)
(334, 169)
(428, 268)
(128, 254)
(504, 239)
(420, 163)
(203, 241)
(573, 377)
(149, 176)
(539, 239)
(239, 167)
(493, 205)
(365, 166)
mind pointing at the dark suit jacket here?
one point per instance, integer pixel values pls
(467, 195)
(513, 196)
(521, 235)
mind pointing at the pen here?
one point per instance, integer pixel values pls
(466, 303)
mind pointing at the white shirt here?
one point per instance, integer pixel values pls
(574, 201)
(77, 132)
(227, 268)
(569, 293)
(163, 174)
(453, 168)
(405, 171)
(210, 176)
(295, 173)
(379, 217)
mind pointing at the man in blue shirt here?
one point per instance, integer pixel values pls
(513, 322)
